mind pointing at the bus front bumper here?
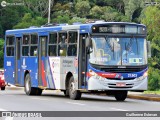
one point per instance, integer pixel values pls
(106, 84)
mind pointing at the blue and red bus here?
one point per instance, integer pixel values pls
(106, 57)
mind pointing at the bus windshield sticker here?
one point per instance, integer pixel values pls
(135, 60)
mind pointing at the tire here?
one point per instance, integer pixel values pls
(73, 94)
(110, 93)
(30, 90)
(66, 93)
(121, 95)
(3, 88)
(38, 91)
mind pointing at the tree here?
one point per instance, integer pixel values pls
(28, 21)
(77, 20)
(1, 52)
(82, 8)
(62, 19)
(96, 12)
(131, 6)
(39, 7)
(110, 14)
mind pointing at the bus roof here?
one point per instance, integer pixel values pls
(83, 27)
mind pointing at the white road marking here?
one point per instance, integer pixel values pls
(1, 109)
(75, 103)
(118, 109)
(39, 98)
(8, 95)
(9, 118)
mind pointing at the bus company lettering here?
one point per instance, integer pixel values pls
(67, 63)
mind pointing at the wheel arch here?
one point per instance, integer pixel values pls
(69, 74)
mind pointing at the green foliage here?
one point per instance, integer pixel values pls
(1, 31)
(131, 6)
(77, 19)
(154, 79)
(111, 14)
(82, 8)
(1, 52)
(28, 21)
(152, 20)
(62, 19)
(96, 12)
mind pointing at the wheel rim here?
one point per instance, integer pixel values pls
(72, 88)
(27, 85)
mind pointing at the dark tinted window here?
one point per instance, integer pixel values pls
(10, 45)
(53, 38)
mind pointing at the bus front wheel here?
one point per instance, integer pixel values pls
(29, 90)
(121, 95)
(73, 93)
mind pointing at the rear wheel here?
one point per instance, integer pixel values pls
(121, 95)
(73, 93)
(31, 90)
(3, 88)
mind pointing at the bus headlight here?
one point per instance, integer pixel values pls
(144, 76)
(96, 76)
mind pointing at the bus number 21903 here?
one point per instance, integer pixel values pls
(132, 75)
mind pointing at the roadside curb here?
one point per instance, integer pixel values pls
(13, 88)
(144, 97)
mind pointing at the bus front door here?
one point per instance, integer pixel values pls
(42, 53)
(17, 76)
(82, 62)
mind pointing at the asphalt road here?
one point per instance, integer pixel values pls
(17, 100)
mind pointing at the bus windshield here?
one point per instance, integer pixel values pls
(118, 51)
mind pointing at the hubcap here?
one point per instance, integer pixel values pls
(27, 85)
(72, 88)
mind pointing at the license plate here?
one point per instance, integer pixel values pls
(120, 84)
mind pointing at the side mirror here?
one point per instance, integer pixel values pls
(88, 42)
(149, 49)
(88, 45)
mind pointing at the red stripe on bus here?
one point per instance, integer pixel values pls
(43, 75)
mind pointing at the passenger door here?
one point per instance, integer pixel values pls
(42, 57)
(17, 60)
(82, 62)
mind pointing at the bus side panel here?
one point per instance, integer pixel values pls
(49, 78)
(54, 63)
(60, 66)
(31, 65)
(9, 69)
(68, 66)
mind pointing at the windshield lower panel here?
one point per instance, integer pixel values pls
(118, 51)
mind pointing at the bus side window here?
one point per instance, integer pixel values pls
(34, 45)
(25, 45)
(62, 44)
(52, 45)
(72, 50)
(72, 44)
(10, 45)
